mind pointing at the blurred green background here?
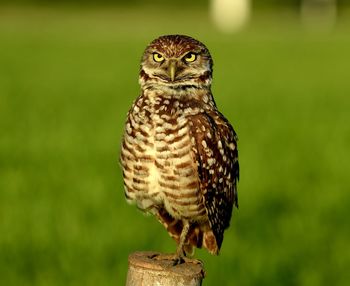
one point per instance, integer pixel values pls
(68, 75)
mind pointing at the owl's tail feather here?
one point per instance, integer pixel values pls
(199, 235)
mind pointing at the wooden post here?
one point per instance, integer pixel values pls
(156, 269)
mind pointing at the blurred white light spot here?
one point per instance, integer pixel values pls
(230, 15)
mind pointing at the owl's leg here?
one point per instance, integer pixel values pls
(180, 253)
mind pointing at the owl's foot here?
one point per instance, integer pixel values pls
(180, 256)
(176, 259)
(161, 256)
(183, 259)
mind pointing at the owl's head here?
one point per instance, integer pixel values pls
(176, 60)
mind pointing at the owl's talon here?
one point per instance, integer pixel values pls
(178, 261)
(174, 258)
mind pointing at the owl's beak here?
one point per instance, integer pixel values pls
(172, 70)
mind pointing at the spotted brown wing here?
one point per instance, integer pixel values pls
(217, 157)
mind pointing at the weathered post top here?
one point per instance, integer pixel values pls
(155, 269)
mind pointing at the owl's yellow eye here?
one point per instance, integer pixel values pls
(158, 57)
(190, 57)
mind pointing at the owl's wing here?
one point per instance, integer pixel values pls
(215, 146)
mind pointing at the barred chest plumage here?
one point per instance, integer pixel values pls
(157, 157)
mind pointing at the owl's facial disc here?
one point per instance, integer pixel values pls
(176, 60)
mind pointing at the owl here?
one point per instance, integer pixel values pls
(179, 153)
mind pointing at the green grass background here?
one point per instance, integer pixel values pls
(67, 78)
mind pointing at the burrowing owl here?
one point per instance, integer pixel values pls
(179, 153)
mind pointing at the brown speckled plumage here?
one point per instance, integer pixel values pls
(179, 153)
